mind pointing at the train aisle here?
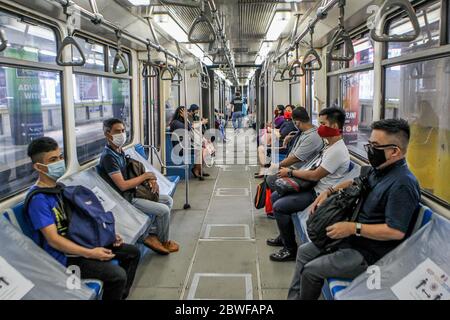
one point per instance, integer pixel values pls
(223, 252)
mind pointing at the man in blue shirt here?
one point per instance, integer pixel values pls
(385, 220)
(113, 168)
(50, 225)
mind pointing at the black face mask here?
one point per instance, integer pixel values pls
(376, 157)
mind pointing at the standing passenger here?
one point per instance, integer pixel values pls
(237, 111)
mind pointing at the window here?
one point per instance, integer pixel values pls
(28, 41)
(97, 99)
(419, 92)
(333, 91)
(26, 115)
(357, 101)
(94, 54)
(363, 51)
(429, 19)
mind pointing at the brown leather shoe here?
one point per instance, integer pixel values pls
(172, 246)
(153, 243)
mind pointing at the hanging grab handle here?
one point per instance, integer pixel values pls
(202, 20)
(4, 41)
(120, 57)
(166, 72)
(69, 41)
(285, 74)
(341, 35)
(296, 69)
(382, 17)
(313, 54)
(150, 70)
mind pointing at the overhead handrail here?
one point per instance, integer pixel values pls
(341, 35)
(166, 72)
(312, 53)
(183, 3)
(98, 17)
(69, 41)
(285, 74)
(381, 19)
(3, 40)
(150, 69)
(296, 69)
(120, 57)
(199, 21)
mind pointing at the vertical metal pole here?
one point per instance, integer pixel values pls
(187, 153)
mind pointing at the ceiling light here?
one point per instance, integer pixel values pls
(168, 25)
(278, 24)
(139, 2)
(264, 51)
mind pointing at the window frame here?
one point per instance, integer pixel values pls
(107, 73)
(40, 67)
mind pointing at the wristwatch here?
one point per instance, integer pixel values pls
(290, 174)
(358, 229)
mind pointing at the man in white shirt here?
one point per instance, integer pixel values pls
(334, 164)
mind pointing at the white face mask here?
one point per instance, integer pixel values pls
(119, 139)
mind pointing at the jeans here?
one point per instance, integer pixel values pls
(161, 212)
(312, 268)
(117, 279)
(284, 207)
(237, 120)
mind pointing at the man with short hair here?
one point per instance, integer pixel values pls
(334, 164)
(387, 216)
(113, 168)
(237, 111)
(50, 225)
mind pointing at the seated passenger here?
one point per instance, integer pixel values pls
(385, 220)
(50, 225)
(279, 116)
(113, 167)
(288, 125)
(334, 165)
(307, 143)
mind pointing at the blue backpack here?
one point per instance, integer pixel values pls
(89, 225)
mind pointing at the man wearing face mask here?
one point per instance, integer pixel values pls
(334, 164)
(50, 226)
(387, 217)
(113, 168)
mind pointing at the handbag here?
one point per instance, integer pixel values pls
(260, 195)
(144, 190)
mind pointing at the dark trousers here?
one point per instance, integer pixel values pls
(284, 207)
(117, 279)
(312, 268)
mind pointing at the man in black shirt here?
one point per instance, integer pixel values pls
(386, 218)
(237, 111)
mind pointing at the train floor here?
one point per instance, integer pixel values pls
(223, 238)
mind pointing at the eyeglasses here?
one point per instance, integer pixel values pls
(369, 147)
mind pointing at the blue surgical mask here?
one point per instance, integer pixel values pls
(56, 169)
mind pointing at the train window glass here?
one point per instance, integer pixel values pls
(97, 99)
(94, 54)
(28, 41)
(338, 65)
(30, 107)
(357, 101)
(363, 51)
(111, 54)
(419, 93)
(429, 20)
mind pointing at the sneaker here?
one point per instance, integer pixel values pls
(171, 245)
(153, 243)
(283, 255)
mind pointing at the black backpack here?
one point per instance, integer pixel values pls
(342, 206)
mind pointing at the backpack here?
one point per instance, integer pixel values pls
(342, 206)
(89, 225)
(143, 191)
